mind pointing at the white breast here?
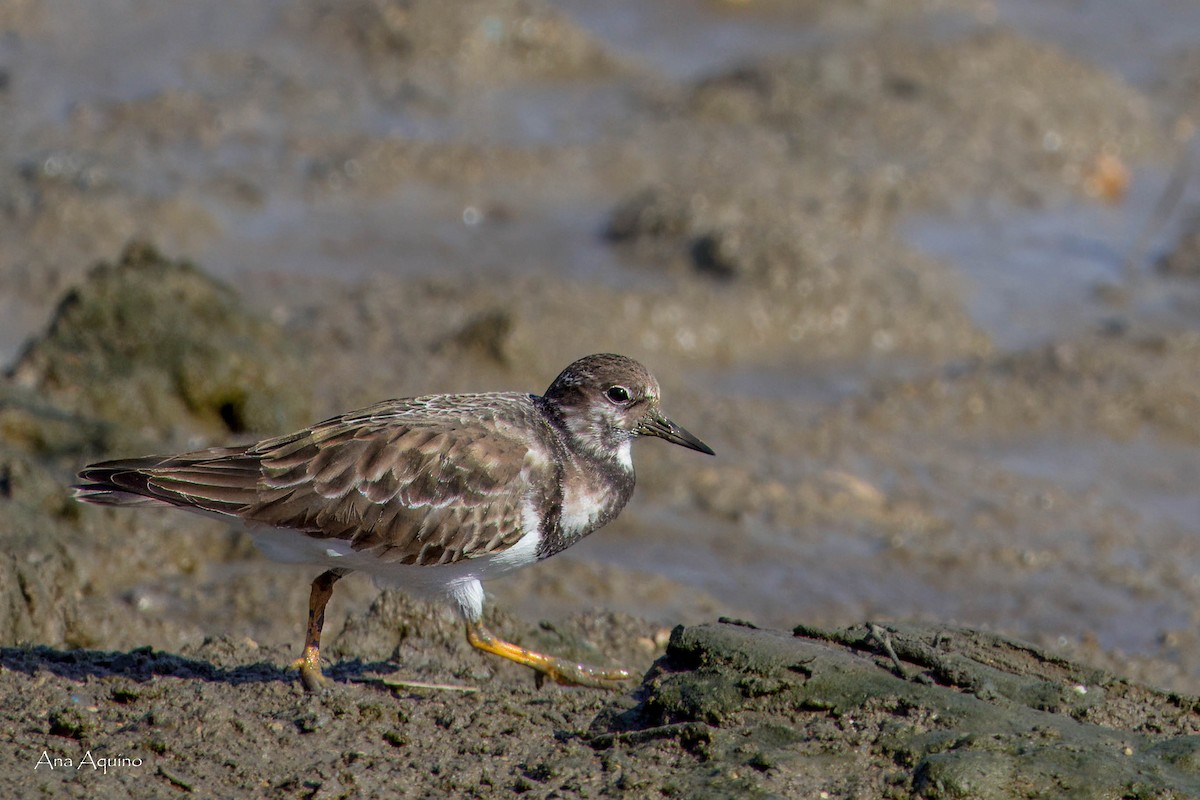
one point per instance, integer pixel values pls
(581, 511)
(583, 504)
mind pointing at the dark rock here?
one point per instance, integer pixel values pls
(668, 227)
(153, 345)
(972, 715)
(650, 212)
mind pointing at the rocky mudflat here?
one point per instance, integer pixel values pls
(954, 502)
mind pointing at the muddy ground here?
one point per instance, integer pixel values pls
(221, 225)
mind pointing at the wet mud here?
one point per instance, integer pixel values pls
(954, 496)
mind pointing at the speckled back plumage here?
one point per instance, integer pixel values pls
(427, 480)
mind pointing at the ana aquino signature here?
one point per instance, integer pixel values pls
(101, 763)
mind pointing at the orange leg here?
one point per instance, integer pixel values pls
(309, 664)
(568, 673)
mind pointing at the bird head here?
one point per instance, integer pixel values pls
(607, 400)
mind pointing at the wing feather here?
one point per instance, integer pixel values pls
(431, 480)
(412, 483)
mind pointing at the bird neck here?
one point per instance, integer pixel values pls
(589, 439)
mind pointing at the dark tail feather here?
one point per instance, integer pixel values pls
(92, 493)
(119, 483)
(220, 480)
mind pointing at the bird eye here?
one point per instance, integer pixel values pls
(617, 394)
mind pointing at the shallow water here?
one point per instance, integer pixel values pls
(1155, 478)
(418, 232)
(1033, 276)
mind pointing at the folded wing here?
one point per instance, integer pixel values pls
(429, 488)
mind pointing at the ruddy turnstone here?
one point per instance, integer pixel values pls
(432, 494)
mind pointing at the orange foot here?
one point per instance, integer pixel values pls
(560, 670)
(309, 665)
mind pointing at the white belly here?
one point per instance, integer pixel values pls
(290, 546)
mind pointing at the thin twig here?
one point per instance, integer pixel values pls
(885, 641)
(400, 683)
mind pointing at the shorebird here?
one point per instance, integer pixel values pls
(432, 494)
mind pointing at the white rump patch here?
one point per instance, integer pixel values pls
(468, 594)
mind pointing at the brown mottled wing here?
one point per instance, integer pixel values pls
(426, 481)
(430, 480)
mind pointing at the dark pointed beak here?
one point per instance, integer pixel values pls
(663, 428)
